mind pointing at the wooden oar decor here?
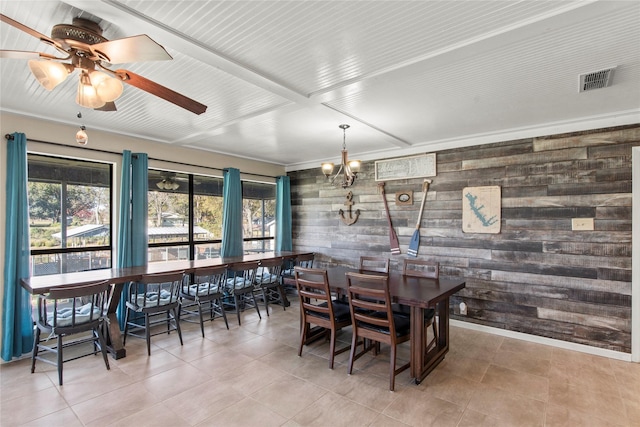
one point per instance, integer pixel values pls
(393, 238)
(415, 239)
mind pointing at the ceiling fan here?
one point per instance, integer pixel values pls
(84, 48)
(171, 181)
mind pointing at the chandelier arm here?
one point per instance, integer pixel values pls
(333, 179)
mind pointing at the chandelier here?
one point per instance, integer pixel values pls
(346, 175)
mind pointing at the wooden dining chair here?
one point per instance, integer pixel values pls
(317, 307)
(203, 290)
(156, 297)
(374, 321)
(302, 260)
(268, 282)
(69, 311)
(423, 268)
(373, 264)
(241, 285)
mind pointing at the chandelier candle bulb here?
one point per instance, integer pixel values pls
(327, 169)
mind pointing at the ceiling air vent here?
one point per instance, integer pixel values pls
(596, 80)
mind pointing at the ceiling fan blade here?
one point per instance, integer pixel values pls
(23, 54)
(161, 91)
(109, 106)
(30, 31)
(131, 49)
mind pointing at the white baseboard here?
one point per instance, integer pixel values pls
(611, 354)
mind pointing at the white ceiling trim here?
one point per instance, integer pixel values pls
(621, 118)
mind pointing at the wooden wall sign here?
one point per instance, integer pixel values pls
(481, 209)
(406, 167)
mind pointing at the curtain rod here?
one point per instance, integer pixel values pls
(9, 137)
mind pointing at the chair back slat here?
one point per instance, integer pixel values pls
(156, 290)
(205, 281)
(370, 300)
(420, 268)
(374, 264)
(305, 260)
(241, 275)
(268, 271)
(313, 291)
(66, 308)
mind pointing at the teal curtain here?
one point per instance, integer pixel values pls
(17, 325)
(283, 214)
(133, 235)
(231, 214)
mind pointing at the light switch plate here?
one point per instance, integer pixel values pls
(584, 224)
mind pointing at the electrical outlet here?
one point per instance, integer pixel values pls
(463, 309)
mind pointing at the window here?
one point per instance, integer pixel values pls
(185, 216)
(69, 214)
(168, 216)
(207, 216)
(259, 216)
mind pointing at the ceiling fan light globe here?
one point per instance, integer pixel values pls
(108, 88)
(48, 73)
(87, 95)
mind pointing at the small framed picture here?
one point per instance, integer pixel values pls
(404, 197)
(481, 208)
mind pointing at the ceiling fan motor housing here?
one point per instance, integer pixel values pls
(82, 30)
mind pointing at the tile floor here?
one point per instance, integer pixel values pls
(251, 376)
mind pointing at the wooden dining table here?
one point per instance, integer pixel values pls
(418, 293)
(118, 277)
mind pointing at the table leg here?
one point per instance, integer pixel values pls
(422, 365)
(417, 343)
(113, 335)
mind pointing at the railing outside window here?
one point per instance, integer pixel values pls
(69, 214)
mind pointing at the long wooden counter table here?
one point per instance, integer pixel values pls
(118, 277)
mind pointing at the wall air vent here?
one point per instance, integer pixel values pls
(596, 80)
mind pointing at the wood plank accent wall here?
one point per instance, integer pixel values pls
(536, 276)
